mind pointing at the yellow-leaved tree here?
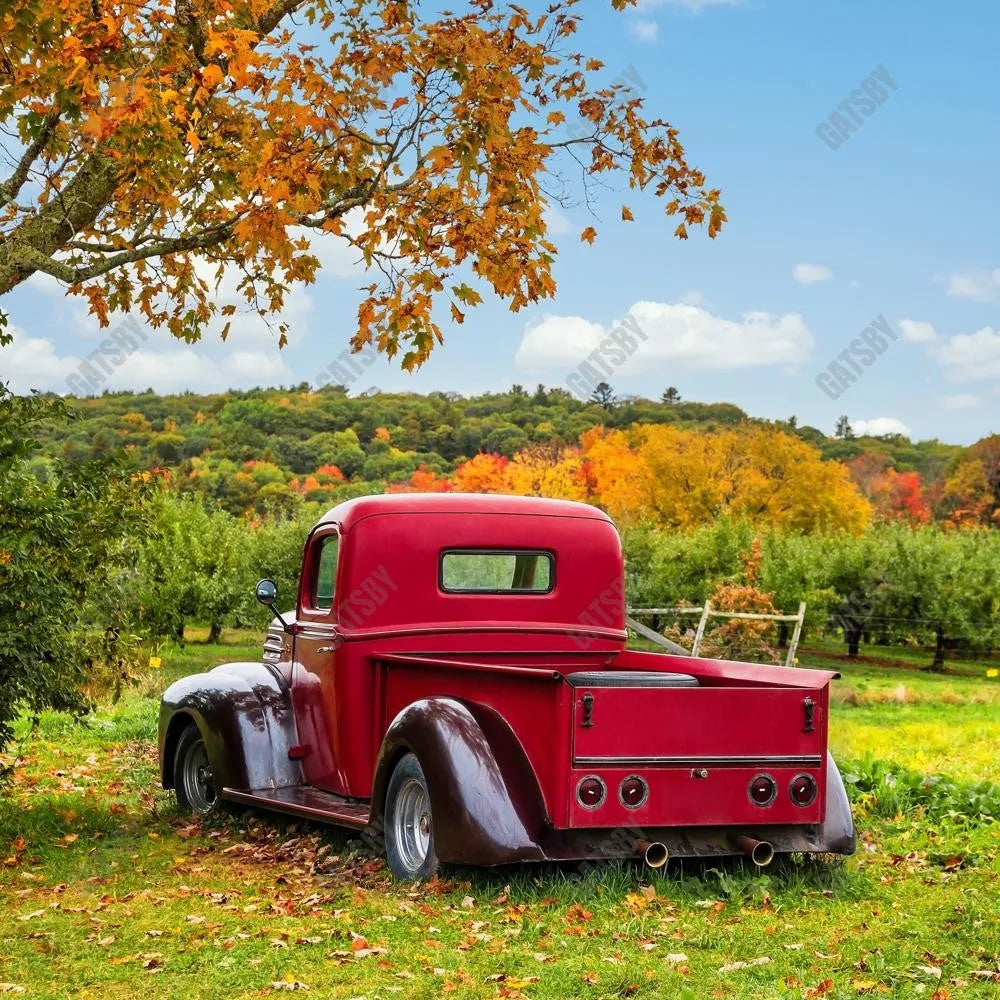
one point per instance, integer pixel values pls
(150, 145)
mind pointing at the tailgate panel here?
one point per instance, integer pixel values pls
(690, 726)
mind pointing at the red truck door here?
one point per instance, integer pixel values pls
(315, 695)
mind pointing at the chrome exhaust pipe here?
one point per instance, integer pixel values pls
(760, 852)
(652, 852)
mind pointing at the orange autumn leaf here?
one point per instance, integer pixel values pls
(588, 235)
(212, 76)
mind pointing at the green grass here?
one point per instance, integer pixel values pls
(105, 891)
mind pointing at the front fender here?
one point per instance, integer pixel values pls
(244, 713)
(478, 818)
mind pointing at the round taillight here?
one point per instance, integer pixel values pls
(763, 790)
(802, 790)
(633, 791)
(590, 792)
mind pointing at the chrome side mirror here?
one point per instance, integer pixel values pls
(266, 592)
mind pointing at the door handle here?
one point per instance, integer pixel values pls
(326, 649)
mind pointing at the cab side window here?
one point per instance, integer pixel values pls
(326, 573)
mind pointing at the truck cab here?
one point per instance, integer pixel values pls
(455, 678)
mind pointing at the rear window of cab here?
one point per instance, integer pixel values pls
(496, 571)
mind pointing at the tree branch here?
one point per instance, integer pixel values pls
(273, 16)
(10, 188)
(201, 240)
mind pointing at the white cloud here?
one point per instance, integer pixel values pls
(968, 357)
(693, 298)
(962, 401)
(878, 426)
(33, 363)
(678, 335)
(337, 257)
(645, 31)
(916, 330)
(980, 286)
(556, 220)
(809, 274)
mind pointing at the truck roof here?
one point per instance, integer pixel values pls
(351, 511)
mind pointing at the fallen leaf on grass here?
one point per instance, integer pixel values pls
(930, 970)
(468, 903)
(676, 958)
(289, 983)
(11, 988)
(820, 989)
(512, 982)
(734, 966)
(985, 974)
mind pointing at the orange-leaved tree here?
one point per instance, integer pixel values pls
(156, 145)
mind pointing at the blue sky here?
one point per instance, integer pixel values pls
(899, 221)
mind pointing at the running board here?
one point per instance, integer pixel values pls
(303, 800)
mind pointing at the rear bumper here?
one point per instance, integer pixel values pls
(691, 842)
(834, 835)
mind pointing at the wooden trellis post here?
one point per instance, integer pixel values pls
(703, 621)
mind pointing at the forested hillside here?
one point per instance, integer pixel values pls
(674, 463)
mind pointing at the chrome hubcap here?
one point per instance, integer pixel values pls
(412, 824)
(199, 782)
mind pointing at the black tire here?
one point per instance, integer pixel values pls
(409, 826)
(194, 783)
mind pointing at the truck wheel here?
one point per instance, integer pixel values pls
(194, 783)
(409, 828)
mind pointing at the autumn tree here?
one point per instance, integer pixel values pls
(966, 497)
(753, 472)
(604, 396)
(157, 145)
(843, 429)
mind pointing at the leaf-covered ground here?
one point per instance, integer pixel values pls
(105, 891)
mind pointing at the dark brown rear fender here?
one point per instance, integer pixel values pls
(485, 799)
(244, 713)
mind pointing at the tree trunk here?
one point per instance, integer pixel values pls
(215, 632)
(938, 664)
(179, 630)
(852, 636)
(782, 635)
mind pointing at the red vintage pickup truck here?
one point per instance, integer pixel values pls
(455, 678)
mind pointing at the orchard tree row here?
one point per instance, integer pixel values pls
(890, 585)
